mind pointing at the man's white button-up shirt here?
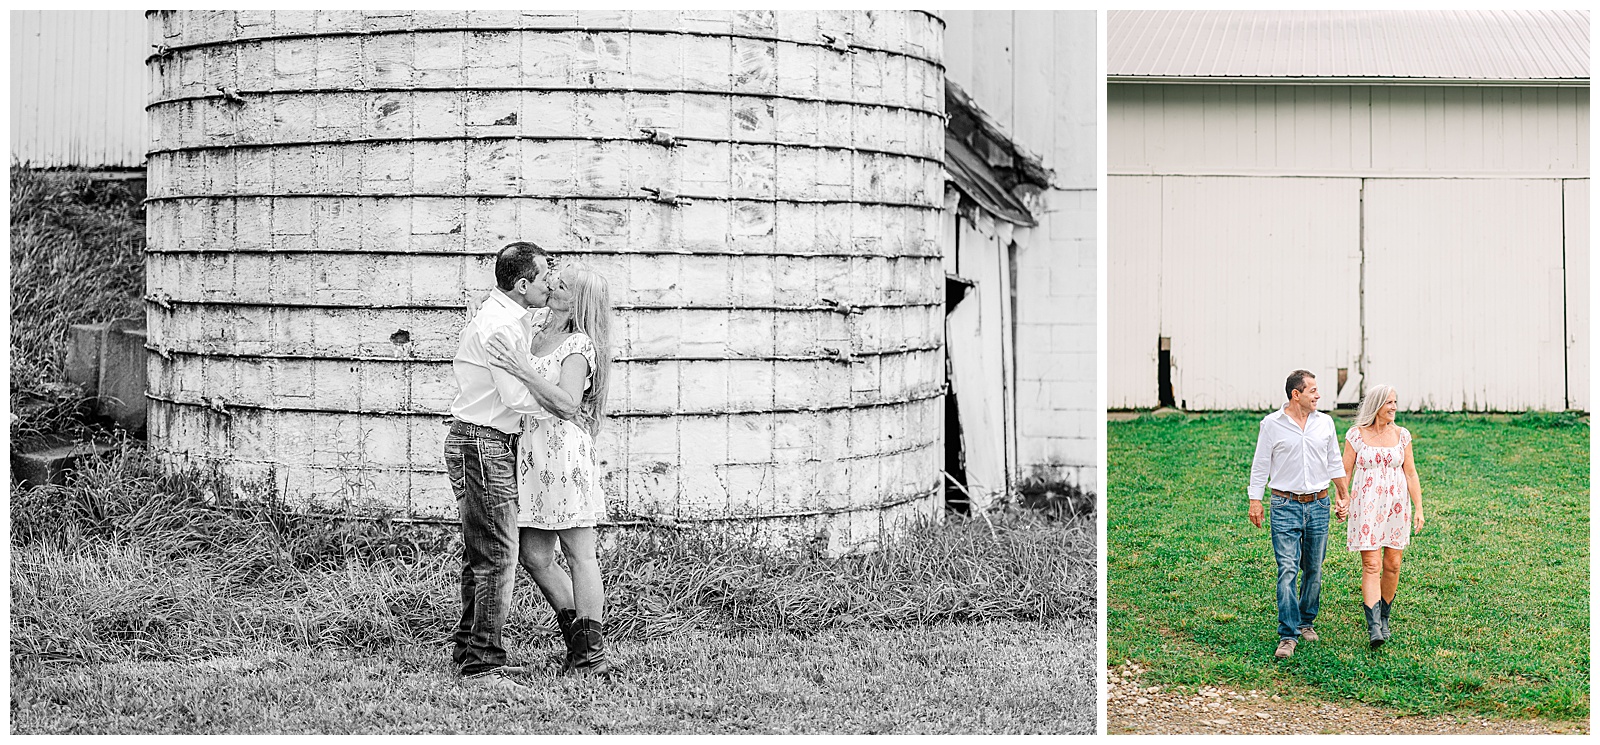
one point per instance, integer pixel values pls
(1292, 459)
(487, 395)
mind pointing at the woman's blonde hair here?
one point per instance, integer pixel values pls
(591, 315)
(1376, 397)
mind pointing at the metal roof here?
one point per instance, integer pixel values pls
(1478, 45)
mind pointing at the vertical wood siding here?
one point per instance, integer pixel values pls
(1468, 302)
(1578, 292)
(78, 88)
(1344, 130)
(1034, 73)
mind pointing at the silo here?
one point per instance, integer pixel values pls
(762, 190)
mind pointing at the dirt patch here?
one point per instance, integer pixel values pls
(1133, 708)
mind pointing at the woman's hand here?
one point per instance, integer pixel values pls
(1417, 521)
(503, 355)
(1342, 508)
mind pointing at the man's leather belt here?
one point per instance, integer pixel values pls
(469, 429)
(1300, 497)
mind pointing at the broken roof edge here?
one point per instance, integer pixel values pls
(966, 119)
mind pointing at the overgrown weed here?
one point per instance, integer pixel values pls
(123, 562)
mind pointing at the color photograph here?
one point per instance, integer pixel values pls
(1347, 258)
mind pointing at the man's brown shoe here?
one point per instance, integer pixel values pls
(1285, 648)
(1309, 634)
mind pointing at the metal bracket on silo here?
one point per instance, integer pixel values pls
(842, 307)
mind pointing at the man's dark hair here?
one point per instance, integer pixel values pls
(516, 261)
(1296, 382)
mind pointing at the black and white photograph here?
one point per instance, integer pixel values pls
(591, 372)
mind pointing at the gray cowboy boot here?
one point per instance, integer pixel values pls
(1383, 616)
(1374, 624)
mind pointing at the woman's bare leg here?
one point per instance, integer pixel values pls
(588, 591)
(1371, 576)
(537, 554)
(1391, 572)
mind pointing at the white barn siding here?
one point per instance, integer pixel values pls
(1133, 328)
(1577, 274)
(1460, 183)
(78, 88)
(1034, 73)
(1464, 293)
(1274, 264)
(1428, 131)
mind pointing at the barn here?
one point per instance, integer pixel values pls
(1374, 196)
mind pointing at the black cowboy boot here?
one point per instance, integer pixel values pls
(1383, 616)
(588, 655)
(1374, 624)
(565, 619)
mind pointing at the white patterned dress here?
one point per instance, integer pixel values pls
(1380, 503)
(557, 486)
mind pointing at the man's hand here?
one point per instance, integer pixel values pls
(1257, 512)
(1341, 508)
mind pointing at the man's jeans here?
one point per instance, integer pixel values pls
(483, 472)
(1299, 540)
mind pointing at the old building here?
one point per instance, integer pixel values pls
(1377, 197)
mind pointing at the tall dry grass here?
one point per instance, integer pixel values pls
(124, 563)
(77, 256)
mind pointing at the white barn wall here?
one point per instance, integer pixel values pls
(1413, 149)
(1301, 130)
(1034, 73)
(1464, 293)
(1577, 274)
(1134, 269)
(1285, 296)
(78, 88)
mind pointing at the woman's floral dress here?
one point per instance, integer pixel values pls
(1380, 503)
(557, 486)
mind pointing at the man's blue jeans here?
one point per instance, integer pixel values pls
(483, 472)
(1299, 541)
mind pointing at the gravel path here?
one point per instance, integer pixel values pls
(1133, 708)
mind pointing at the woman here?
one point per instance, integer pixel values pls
(1381, 517)
(568, 361)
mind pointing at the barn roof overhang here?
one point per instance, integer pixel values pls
(985, 165)
(1283, 80)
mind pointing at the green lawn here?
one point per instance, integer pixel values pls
(1492, 613)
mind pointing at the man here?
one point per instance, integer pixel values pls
(1297, 454)
(480, 454)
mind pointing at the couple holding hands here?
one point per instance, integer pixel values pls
(1297, 457)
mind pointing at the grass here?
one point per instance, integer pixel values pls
(77, 256)
(1492, 614)
(949, 678)
(124, 569)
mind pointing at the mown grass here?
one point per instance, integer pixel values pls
(77, 256)
(123, 566)
(1492, 614)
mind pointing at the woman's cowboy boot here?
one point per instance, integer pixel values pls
(1383, 616)
(588, 656)
(566, 618)
(1374, 625)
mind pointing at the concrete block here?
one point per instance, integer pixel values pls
(83, 355)
(50, 463)
(122, 374)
